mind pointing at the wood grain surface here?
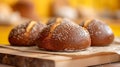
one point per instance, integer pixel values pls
(34, 57)
(3, 65)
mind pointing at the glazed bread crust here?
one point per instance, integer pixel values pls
(66, 36)
(101, 34)
(25, 34)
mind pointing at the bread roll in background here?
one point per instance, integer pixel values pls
(26, 8)
(62, 8)
(8, 16)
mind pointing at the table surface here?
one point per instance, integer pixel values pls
(117, 64)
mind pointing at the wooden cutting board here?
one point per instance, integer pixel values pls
(34, 57)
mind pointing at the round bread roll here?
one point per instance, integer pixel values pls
(25, 34)
(63, 35)
(101, 34)
(26, 8)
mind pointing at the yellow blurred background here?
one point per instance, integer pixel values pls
(43, 10)
(43, 6)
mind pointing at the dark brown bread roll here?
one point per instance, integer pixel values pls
(101, 34)
(63, 35)
(25, 34)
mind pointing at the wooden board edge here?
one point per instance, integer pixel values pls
(95, 60)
